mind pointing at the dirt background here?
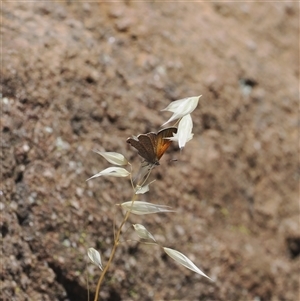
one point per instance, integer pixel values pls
(79, 76)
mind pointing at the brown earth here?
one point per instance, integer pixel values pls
(79, 76)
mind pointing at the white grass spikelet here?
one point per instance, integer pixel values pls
(183, 260)
(95, 257)
(141, 189)
(142, 208)
(142, 232)
(182, 107)
(113, 158)
(112, 172)
(184, 132)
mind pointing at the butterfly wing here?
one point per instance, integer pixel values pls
(145, 147)
(152, 146)
(162, 143)
(148, 145)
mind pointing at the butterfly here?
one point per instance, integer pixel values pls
(152, 146)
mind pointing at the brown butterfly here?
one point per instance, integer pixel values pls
(152, 146)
